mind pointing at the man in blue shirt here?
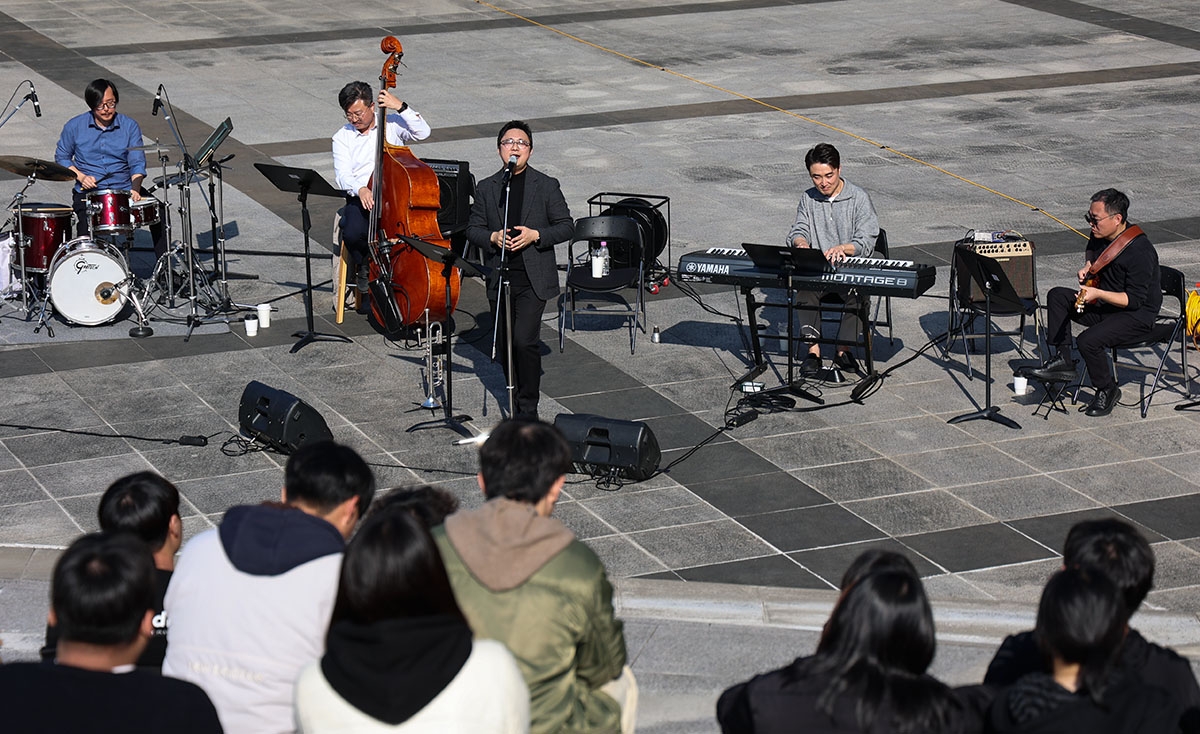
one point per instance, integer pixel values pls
(97, 146)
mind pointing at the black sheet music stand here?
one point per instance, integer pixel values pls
(304, 181)
(449, 261)
(997, 288)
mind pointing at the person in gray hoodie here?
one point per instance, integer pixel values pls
(521, 577)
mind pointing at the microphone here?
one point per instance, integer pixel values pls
(512, 164)
(106, 293)
(37, 108)
(157, 101)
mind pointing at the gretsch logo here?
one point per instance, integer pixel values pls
(83, 265)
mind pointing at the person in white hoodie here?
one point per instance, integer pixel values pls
(250, 601)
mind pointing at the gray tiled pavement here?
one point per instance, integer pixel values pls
(990, 113)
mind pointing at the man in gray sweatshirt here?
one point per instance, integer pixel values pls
(837, 217)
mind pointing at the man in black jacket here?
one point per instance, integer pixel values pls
(1118, 550)
(538, 219)
(1120, 307)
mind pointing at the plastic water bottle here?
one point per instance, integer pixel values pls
(599, 266)
(606, 256)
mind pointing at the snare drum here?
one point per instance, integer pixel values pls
(46, 227)
(109, 210)
(83, 281)
(145, 212)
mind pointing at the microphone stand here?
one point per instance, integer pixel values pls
(505, 292)
(24, 99)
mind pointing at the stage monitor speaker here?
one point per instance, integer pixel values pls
(279, 418)
(606, 445)
(456, 186)
(1016, 258)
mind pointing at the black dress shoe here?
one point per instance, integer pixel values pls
(811, 366)
(1104, 401)
(846, 362)
(1059, 369)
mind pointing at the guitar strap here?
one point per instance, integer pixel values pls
(1115, 248)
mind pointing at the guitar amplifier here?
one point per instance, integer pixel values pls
(1016, 260)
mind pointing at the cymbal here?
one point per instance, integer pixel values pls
(153, 146)
(25, 166)
(175, 179)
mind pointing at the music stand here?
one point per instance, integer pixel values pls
(790, 260)
(304, 181)
(449, 261)
(989, 275)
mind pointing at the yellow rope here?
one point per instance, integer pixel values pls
(775, 108)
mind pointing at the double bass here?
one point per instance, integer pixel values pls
(406, 198)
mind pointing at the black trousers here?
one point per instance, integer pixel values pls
(83, 221)
(527, 344)
(1105, 329)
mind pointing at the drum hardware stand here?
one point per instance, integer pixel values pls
(303, 181)
(128, 291)
(449, 261)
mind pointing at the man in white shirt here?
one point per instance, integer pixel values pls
(354, 161)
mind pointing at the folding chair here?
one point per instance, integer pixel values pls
(624, 240)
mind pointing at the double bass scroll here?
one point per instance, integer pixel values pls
(406, 202)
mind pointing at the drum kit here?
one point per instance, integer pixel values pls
(87, 280)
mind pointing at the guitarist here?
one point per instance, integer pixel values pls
(1118, 300)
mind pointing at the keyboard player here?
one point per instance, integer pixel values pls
(837, 217)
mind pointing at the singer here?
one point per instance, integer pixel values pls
(98, 147)
(354, 163)
(538, 219)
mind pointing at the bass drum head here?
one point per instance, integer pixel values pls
(81, 270)
(650, 221)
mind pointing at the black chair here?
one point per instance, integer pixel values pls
(624, 239)
(1167, 330)
(966, 308)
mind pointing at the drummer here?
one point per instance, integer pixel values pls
(99, 146)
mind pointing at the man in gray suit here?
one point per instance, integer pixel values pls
(538, 219)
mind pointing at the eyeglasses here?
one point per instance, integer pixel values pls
(514, 143)
(107, 106)
(352, 116)
(1090, 219)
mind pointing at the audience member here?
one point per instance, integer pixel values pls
(1080, 625)
(251, 600)
(431, 505)
(521, 577)
(399, 655)
(101, 603)
(1117, 550)
(876, 559)
(146, 505)
(868, 674)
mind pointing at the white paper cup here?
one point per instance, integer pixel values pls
(1020, 384)
(251, 325)
(264, 315)
(597, 266)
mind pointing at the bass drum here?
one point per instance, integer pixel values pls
(650, 221)
(83, 281)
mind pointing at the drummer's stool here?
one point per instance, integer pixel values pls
(1053, 392)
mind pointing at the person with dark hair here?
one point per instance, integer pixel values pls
(427, 503)
(1115, 549)
(876, 559)
(102, 148)
(354, 147)
(101, 603)
(538, 219)
(146, 505)
(250, 600)
(868, 673)
(521, 577)
(399, 656)
(1120, 296)
(1080, 625)
(836, 217)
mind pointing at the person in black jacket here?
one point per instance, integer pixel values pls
(1121, 307)
(1116, 549)
(538, 219)
(1080, 626)
(868, 674)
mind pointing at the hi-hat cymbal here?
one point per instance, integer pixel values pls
(175, 179)
(23, 165)
(153, 146)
